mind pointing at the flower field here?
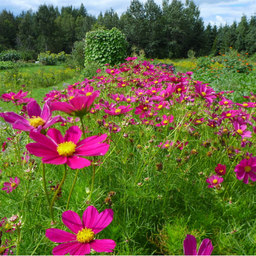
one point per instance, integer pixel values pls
(137, 160)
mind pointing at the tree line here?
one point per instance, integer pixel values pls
(167, 31)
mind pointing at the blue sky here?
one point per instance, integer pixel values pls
(215, 12)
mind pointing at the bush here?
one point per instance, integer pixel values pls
(10, 55)
(49, 58)
(6, 65)
(28, 55)
(77, 55)
(105, 46)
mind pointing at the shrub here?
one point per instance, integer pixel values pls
(6, 65)
(10, 55)
(105, 46)
(77, 55)
(49, 58)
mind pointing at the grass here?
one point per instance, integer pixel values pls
(161, 193)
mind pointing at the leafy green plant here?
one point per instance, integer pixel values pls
(6, 65)
(49, 58)
(10, 55)
(105, 46)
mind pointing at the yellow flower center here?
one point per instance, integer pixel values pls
(166, 121)
(215, 181)
(203, 93)
(36, 121)
(85, 236)
(88, 94)
(154, 91)
(71, 97)
(160, 106)
(117, 99)
(247, 168)
(228, 114)
(12, 97)
(179, 89)
(239, 131)
(225, 102)
(245, 105)
(145, 108)
(117, 110)
(167, 145)
(112, 71)
(13, 185)
(198, 121)
(225, 130)
(66, 148)
(221, 171)
(128, 100)
(156, 82)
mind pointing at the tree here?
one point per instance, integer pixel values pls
(8, 29)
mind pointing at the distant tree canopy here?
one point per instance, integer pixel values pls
(167, 31)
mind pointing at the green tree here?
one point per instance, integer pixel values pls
(241, 31)
(8, 30)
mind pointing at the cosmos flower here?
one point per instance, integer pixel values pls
(10, 186)
(189, 246)
(37, 119)
(56, 149)
(82, 240)
(214, 181)
(245, 169)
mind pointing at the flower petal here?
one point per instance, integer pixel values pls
(252, 176)
(64, 249)
(42, 139)
(46, 112)
(22, 125)
(206, 247)
(82, 249)
(55, 135)
(59, 236)
(103, 220)
(62, 106)
(75, 162)
(33, 109)
(92, 140)
(73, 134)
(90, 215)
(54, 159)
(189, 245)
(40, 150)
(92, 150)
(72, 221)
(103, 245)
(11, 117)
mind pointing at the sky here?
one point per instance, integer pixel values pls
(215, 12)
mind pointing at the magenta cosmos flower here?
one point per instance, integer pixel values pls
(214, 181)
(189, 246)
(77, 106)
(12, 96)
(220, 169)
(245, 169)
(37, 119)
(56, 149)
(10, 186)
(83, 239)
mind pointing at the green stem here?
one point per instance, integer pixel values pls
(44, 183)
(93, 178)
(18, 149)
(82, 123)
(56, 193)
(71, 190)
(18, 242)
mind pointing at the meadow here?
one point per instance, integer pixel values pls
(160, 155)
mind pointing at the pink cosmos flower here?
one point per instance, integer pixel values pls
(189, 246)
(118, 111)
(77, 106)
(166, 120)
(82, 240)
(12, 96)
(54, 149)
(241, 130)
(214, 181)
(38, 119)
(220, 169)
(205, 91)
(112, 71)
(10, 186)
(245, 169)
